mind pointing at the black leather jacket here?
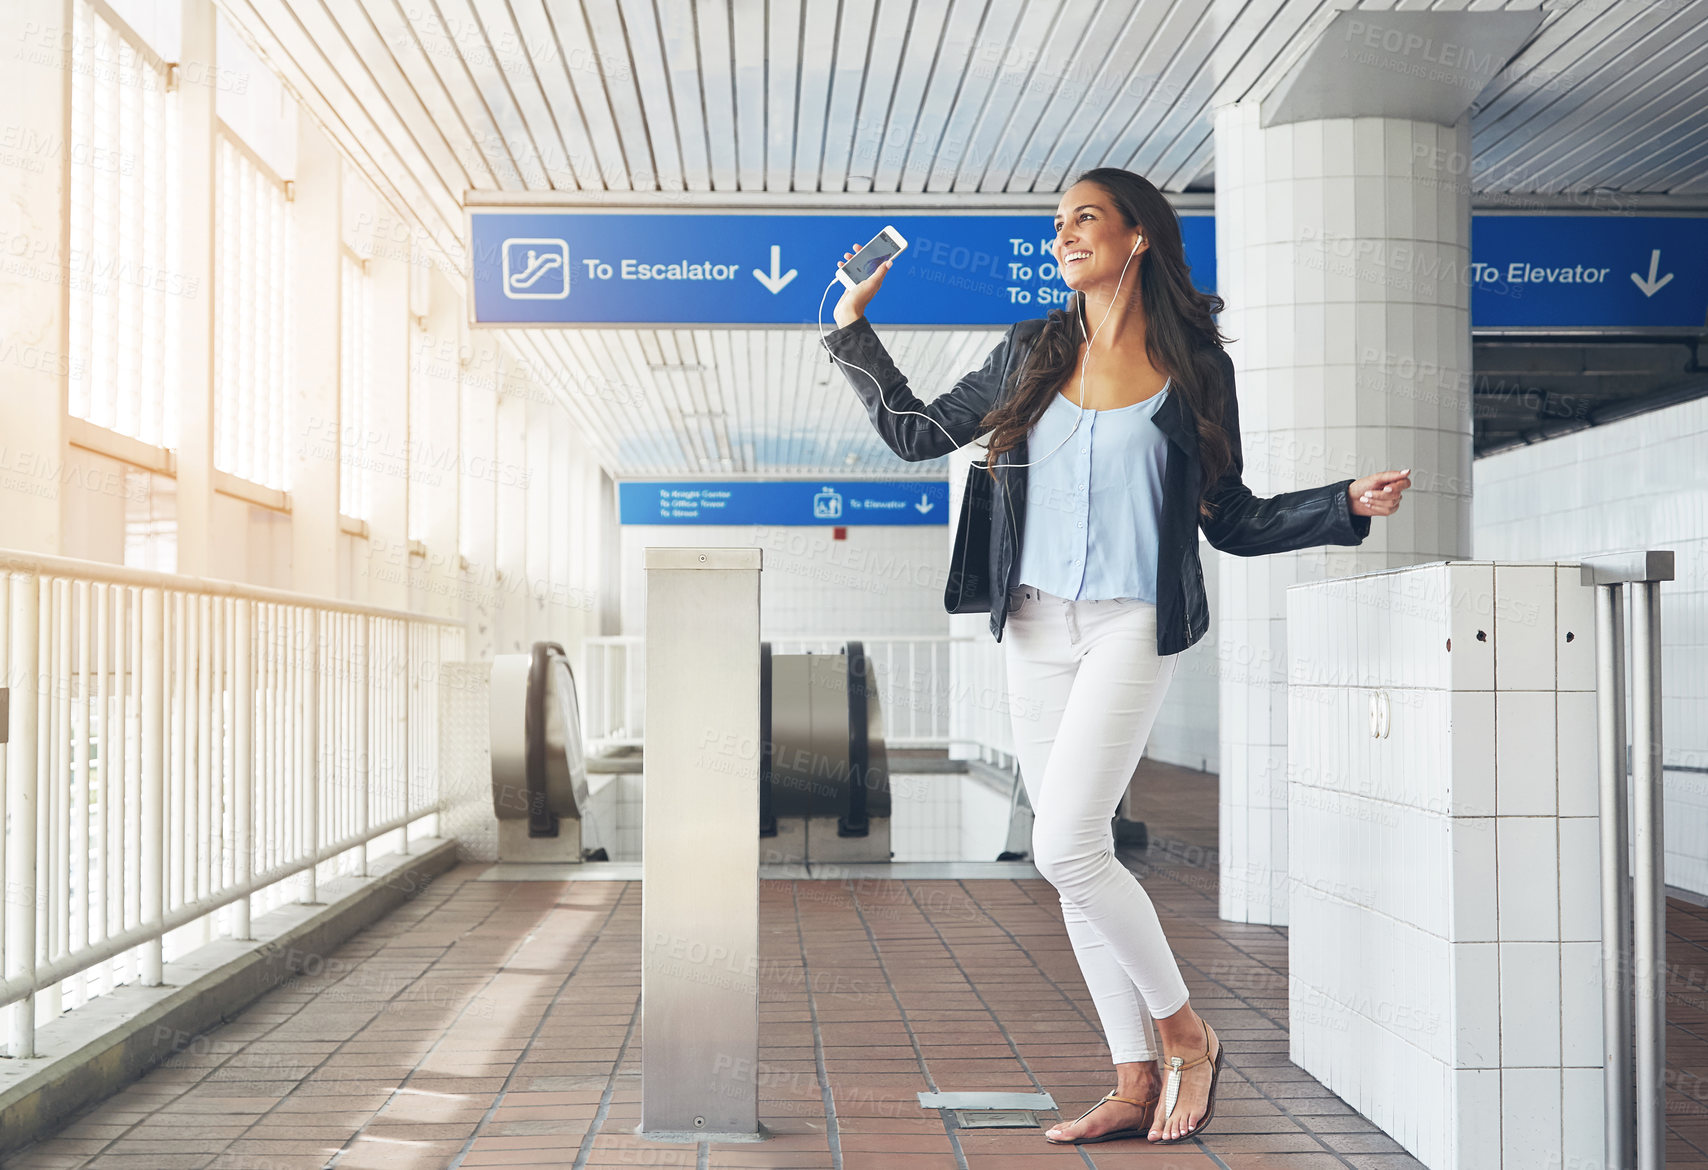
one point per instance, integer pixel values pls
(1243, 524)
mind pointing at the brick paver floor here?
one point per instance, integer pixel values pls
(497, 1024)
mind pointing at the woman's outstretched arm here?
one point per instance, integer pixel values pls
(1249, 525)
(952, 419)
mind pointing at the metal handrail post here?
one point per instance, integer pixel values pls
(314, 763)
(1633, 899)
(1648, 887)
(153, 781)
(243, 755)
(23, 781)
(1615, 878)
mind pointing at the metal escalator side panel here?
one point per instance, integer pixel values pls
(853, 821)
(507, 735)
(566, 757)
(877, 754)
(767, 814)
(542, 821)
(792, 721)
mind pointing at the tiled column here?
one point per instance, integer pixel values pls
(1341, 249)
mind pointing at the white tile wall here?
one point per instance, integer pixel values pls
(1633, 483)
(1443, 887)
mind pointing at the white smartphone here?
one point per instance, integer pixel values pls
(883, 246)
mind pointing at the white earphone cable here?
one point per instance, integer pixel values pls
(1083, 366)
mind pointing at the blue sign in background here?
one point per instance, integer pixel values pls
(564, 268)
(590, 268)
(796, 502)
(1595, 271)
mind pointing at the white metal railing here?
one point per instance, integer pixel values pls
(178, 745)
(611, 685)
(934, 691)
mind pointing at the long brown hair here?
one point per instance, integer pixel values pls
(1181, 336)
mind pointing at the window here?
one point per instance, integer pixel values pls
(355, 385)
(252, 320)
(125, 295)
(151, 521)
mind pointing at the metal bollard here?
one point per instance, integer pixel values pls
(1633, 905)
(700, 850)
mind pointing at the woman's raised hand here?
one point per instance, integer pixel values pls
(1379, 494)
(854, 300)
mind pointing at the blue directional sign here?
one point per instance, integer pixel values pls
(1595, 271)
(799, 502)
(590, 268)
(688, 268)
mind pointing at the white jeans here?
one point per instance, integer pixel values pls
(1086, 684)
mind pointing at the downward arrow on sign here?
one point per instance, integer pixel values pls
(1650, 286)
(775, 281)
(925, 505)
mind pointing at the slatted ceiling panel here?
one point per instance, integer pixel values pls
(749, 35)
(734, 387)
(891, 27)
(390, 92)
(1022, 91)
(897, 92)
(514, 96)
(1094, 71)
(282, 42)
(1146, 46)
(640, 25)
(1511, 137)
(593, 405)
(1182, 92)
(1671, 168)
(595, 28)
(486, 66)
(1677, 74)
(717, 90)
(1575, 57)
(988, 52)
(1029, 69)
(854, 34)
(645, 429)
(572, 75)
(647, 414)
(954, 54)
(1672, 77)
(818, 57)
(607, 413)
(782, 74)
(430, 56)
(792, 385)
(1198, 168)
(1287, 28)
(581, 400)
(891, 137)
(483, 138)
(679, 37)
(389, 46)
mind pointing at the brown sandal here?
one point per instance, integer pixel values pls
(1112, 1135)
(1173, 1066)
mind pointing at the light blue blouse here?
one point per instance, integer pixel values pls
(1094, 507)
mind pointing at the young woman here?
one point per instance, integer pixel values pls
(1123, 407)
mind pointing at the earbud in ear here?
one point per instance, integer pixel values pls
(1137, 240)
